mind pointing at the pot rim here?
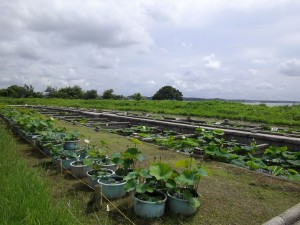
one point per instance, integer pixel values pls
(180, 199)
(88, 174)
(72, 164)
(73, 141)
(114, 184)
(148, 202)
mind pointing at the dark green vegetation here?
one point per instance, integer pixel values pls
(230, 195)
(277, 161)
(15, 91)
(27, 91)
(167, 93)
(25, 197)
(277, 115)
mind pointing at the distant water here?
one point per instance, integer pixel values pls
(272, 103)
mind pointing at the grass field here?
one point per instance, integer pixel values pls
(25, 197)
(230, 195)
(277, 115)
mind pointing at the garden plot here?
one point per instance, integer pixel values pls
(277, 161)
(240, 125)
(85, 119)
(211, 144)
(225, 124)
(248, 198)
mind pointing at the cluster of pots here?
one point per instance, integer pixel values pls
(112, 185)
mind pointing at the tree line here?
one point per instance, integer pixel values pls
(76, 92)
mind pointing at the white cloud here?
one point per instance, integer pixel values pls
(211, 62)
(151, 82)
(290, 67)
(264, 85)
(253, 72)
(259, 61)
(162, 11)
(141, 45)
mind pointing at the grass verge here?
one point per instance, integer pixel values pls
(24, 197)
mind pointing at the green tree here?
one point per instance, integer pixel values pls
(108, 94)
(69, 92)
(137, 96)
(16, 91)
(51, 92)
(4, 92)
(167, 93)
(90, 94)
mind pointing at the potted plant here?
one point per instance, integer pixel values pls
(148, 186)
(79, 168)
(184, 197)
(32, 124)
(99, 154)
(71, 140)
(99, 162)
(96, 172)
(112, 186)
(58, 152)
(126, 161)
(50, 138)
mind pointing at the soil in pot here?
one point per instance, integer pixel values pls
(94, 175)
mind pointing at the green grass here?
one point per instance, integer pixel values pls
(24, 196)
(277, 115)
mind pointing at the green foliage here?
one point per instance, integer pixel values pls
(67, 93)
(138, 97)
(126, 161)
(167, 93)
(72, 136)
(135, 142)
(28, 120)
(149, 180)
(25, 197)
(15, 91)
(161, 171)
(108, 94)
(90, 94)
(186, 144)
(187, 180)
(279, 115)
(74, 92)
(54, 136)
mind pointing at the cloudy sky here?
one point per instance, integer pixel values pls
(234, 49)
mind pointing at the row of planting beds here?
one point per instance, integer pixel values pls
(277, 161)
(290, 131)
